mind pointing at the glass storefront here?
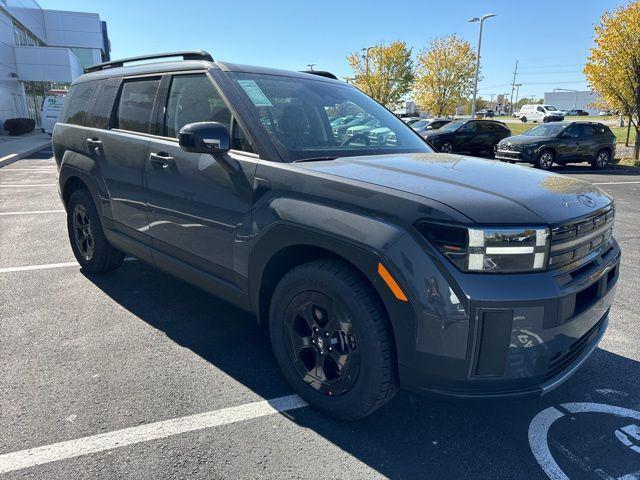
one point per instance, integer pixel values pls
(35, 93)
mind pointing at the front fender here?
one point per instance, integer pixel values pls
(360, 240)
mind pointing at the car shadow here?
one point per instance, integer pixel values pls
(412, 436)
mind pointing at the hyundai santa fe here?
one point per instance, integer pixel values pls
(375, 265)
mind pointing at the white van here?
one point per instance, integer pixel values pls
(540, 113)
(51, 107)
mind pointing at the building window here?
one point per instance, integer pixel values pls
(24, 38)
(84, 55)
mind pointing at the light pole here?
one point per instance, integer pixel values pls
(475, 82)
(517, 85)
(311, 65)
(366, 66)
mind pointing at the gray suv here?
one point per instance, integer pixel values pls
(374, 265)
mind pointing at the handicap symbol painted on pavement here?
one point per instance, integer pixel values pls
(626, 431)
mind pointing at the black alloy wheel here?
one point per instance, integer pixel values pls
(322, 344)
(83, 232)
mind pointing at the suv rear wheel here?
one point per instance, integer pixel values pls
(332, 340)
(523, 119)
(90, 247)
(545, 159)
(603, 157)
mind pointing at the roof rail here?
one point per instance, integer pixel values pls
(186, 55)
(321, 73)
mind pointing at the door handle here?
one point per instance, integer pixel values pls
(94, 144)
(161, 159)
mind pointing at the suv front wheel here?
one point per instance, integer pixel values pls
(332, 339)
(545, 160)
(90, 247)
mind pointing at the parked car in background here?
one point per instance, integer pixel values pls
(472, 136)
(540, 113)
(606, 113)
(340, 131)
(561, 143)
(411, 120)
(488, 113)
(429, 124)
(576, 112)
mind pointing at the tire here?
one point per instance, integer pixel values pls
(90, 247)
(602, 159)
(523, 119)
(311, 298)
(545, 120)
(545, 160)
(446, 147)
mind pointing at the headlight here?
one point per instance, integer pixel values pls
(490, 249)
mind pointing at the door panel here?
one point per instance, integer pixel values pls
(123, 150)
(199, 211)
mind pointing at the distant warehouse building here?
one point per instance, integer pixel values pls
(573, 100)
(41, 50)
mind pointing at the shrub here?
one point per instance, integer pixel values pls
(19, 126)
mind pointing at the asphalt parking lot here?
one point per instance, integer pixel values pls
(143, 376)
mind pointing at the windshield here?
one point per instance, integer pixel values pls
(548, 130)
(420, 124)
(452, 126)
(550, 107)
(301, 118)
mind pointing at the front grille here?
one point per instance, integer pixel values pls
(577, 239)
(562, 360)
(511, 147)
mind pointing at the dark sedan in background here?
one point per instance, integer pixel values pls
(561, 143)
(425, 124)
(469, 136)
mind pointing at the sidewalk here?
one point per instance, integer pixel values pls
(13, 149)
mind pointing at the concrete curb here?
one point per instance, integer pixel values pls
(14, 157)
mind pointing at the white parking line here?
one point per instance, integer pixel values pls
(27, 185)
(615, 183)
(33, 212)
(26, 268)
(143, 433)
(35, 169)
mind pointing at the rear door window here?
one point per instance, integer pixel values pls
(136, 105)
(77, 103)
(102, 107)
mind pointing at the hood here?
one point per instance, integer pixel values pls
(524, 140)
(484, 191)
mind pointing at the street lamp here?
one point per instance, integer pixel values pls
(475, 83)
(517, 85)
(366, 63)
(311, 65)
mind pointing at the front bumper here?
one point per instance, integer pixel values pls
(527, 155)
(484, 335)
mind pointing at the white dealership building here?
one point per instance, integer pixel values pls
(41, 50)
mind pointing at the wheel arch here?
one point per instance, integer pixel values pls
(79, 171)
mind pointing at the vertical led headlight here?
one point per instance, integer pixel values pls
(514, 249)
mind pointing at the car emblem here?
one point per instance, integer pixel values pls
(586, 200)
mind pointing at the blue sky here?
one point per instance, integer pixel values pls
(551, 39)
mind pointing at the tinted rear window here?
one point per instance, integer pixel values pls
(103, 104)
(77, 103)
(136, 105)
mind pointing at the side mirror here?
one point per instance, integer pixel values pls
(205, 137)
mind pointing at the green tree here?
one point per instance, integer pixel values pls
(444, 75)
(613, 66)
(384, 72)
